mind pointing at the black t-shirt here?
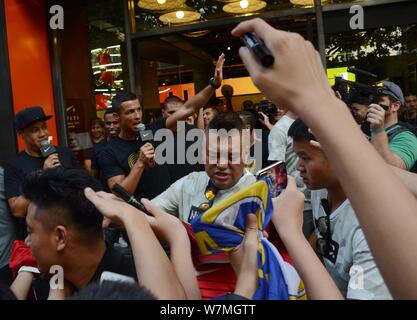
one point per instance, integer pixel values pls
(119, 156)
(23, 165)
(116, 262)
(177, 171)
(95, 152)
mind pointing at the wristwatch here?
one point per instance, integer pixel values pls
(213, 84)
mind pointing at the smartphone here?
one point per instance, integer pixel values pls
(276, 177)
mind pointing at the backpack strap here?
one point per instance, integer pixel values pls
(403, 127)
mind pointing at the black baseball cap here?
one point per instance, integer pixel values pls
(28, 116)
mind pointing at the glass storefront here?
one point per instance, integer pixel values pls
(152, 14)
(174, 45)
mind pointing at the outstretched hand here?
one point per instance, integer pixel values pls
(218, 72)
(296, 78)
(244, 260)
(288, 210)
(110, 206)
(165, 226)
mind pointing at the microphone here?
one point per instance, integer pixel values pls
(129, 198)
(144, 135)
(47, 149)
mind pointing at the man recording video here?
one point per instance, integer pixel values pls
(394, 141)
(39, 154)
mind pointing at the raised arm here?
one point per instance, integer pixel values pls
(382, 203)
(170, 229)
(199, 100)
(153, 268)
(288, 220)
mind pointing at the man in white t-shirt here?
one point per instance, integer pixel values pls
(340, 240)
(190, 196)
(280, 147)
(196, 192)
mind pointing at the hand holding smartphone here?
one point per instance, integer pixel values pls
(276, 177)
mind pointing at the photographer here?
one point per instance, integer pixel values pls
(395, 142)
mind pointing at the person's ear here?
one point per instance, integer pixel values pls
(395, 106)
(61, 237)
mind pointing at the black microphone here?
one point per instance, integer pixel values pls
(47, 149)
(258, 48)
(144, 135)
(129, 198)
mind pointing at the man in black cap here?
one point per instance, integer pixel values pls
(395, 142)
(30, 124)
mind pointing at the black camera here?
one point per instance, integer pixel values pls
(269, 109)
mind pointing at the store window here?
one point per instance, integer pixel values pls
(94, 66)
(182, 63)
(151, 14)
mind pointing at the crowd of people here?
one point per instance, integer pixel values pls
(343, 228)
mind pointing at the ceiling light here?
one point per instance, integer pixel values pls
(305, 2)
(179, 14)
(244, 4)
(180, 17)
(160, 5)
(238, 7)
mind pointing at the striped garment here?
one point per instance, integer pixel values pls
(222, 228)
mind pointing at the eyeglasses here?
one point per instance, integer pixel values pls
(326, 246)
(323, 227)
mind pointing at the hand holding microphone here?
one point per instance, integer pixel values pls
(147, 155)
(50, 154)
(147, 151)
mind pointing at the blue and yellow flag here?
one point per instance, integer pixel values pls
(222, 228)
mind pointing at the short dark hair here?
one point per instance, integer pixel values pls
(409, 94)
(59, 196)
(113, 290)
(121, 97)
(299, 131)
(248, 105)
(109, 111)
(171, 99)
(227, 121)
(215, 102)
(248, 118)
(98, 121)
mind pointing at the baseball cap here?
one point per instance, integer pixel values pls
(28, 116)
(391, 89)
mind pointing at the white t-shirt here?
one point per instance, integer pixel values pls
(353, 268)
(185, 195)
(280, 147)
